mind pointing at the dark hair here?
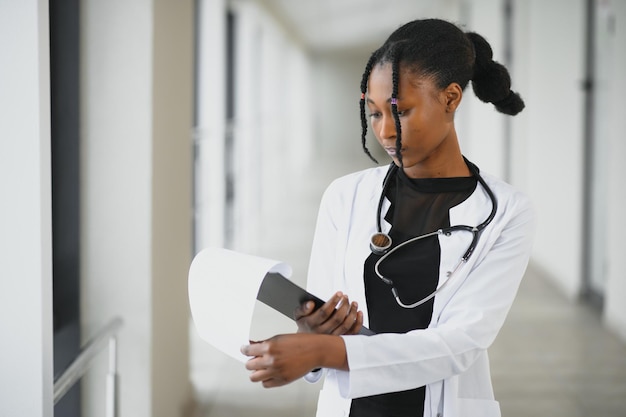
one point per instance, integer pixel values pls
(442, 51)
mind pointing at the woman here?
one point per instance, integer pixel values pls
(432, 249)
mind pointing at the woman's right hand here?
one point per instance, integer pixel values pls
(337, 317)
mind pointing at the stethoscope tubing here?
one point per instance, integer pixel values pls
(476, 232)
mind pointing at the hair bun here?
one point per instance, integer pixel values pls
(511, 104)
(482, 49)
(491, 81)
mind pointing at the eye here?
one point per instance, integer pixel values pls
(374, 115)
(401, 113)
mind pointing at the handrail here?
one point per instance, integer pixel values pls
(82, 363)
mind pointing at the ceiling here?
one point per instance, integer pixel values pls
(349, 25)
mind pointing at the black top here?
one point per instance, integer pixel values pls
(418, 206)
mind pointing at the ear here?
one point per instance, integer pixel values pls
(453, 94)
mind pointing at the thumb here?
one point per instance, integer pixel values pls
(304, 309)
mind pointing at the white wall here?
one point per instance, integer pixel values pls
(273, 122)
(547, 136)
(337, 80)
(25, 213)
(136, 103)
(116, 55)
(550, 65)
(479, 125)
(615, 308)
(210, 129)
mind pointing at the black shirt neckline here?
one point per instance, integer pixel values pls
(438, 185)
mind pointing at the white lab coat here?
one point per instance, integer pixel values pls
(450, 356)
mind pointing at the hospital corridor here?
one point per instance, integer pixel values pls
(552, 357)
(134, 134)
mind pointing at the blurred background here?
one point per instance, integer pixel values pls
(135, 133)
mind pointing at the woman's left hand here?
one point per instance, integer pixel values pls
(337, 316)
(284, 358)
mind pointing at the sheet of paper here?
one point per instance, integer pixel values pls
(223, 286)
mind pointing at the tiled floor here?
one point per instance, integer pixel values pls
(552, 358)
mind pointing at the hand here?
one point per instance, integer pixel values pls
(337, 316)
(285, 358)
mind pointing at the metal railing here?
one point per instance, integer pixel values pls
(82, 363)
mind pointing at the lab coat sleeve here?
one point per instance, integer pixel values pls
(465, 327)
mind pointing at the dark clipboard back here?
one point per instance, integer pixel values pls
(284, 296)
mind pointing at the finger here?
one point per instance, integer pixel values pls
(343, 308)
(259, 362)
(358, 324)
(274, 382)
(260, 375)
(345, 319)
(336, 324)
(326, 311)
(246, 350)
(253, 349)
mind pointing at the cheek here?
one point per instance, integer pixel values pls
(417, 126)
(423, 134)
(426, 123)
(373, 128)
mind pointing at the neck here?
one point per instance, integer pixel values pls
(451, 164)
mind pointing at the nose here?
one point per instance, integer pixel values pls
(387, 128)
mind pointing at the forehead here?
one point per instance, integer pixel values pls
(381, 82)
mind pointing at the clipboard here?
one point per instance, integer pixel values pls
(284, 296)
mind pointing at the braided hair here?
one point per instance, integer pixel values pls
(441, 51)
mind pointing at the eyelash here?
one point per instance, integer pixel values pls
(377, 114)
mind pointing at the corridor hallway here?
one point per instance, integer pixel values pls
(552, 358)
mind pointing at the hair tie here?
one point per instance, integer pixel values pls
(362, 96)
(394, 101)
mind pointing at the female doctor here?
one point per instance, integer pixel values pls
(430, 249)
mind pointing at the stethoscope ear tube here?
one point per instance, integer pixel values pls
(381, 242)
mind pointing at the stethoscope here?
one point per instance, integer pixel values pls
(380, 243)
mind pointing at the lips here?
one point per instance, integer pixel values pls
(390, 150)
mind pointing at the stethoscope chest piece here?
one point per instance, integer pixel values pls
(380, 243)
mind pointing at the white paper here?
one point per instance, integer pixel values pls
(223, 286)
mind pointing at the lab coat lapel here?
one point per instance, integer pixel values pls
(471, 212)
(362, 225)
